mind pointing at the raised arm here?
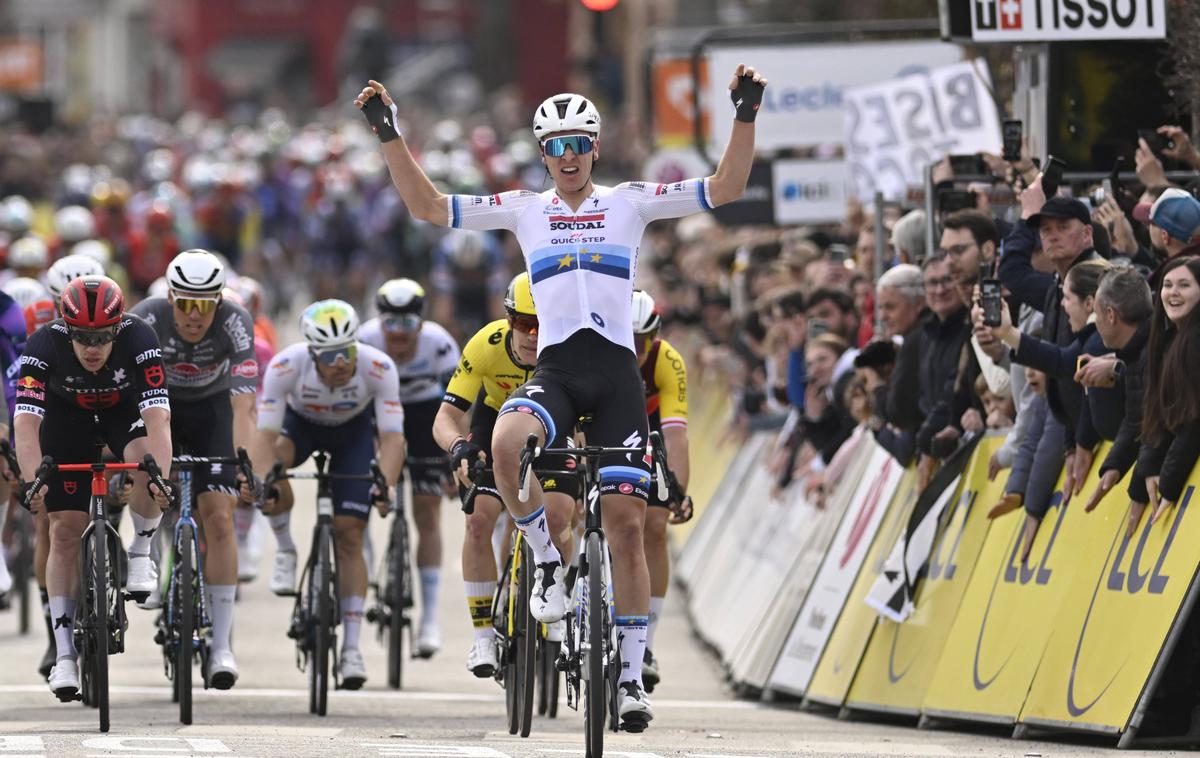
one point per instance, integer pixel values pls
(729, 181)
(424, 201)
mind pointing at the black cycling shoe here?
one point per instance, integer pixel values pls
(650, 676)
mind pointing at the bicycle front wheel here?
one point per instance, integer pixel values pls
(324, 608)
(595, 686)
(399, 577)
(185, 621)
(99, 620)
(526, 631)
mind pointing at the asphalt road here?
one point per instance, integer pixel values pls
(442, 710)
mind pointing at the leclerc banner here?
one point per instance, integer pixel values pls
(1067, 20)
(803, 106)
(900, 661)
(1002, 626)
(1111, 629)
(838, 664)
(837, 573)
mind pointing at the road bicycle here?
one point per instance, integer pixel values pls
(590, 657)
(316, 616)
(184, 625)
(392, 612)
(99, 623)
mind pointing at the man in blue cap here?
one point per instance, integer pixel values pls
(1174, 221)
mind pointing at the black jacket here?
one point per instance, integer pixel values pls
(1124, 450)
(834, 426)
(925, 372)
(1043, 292)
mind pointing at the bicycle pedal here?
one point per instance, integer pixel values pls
(68, 695)
(633, 727)
(137, 597)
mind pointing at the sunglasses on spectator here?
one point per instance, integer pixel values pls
(401, 322)
(956, 250)
(331, 356)
(93, 337)
(203, 306)
(944, 281)
(523, 324)
(580, 144)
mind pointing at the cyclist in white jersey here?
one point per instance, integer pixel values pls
(580, 242)
(332, 393)
(426, 356)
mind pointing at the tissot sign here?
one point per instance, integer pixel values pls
(1067, 20)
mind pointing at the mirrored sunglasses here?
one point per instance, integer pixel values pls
(203, 306)
(523, 323)
(580, 144)
(401, 322)
(93, 337)
(331, 356)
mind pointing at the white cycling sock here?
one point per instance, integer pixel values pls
(143, 532)
(220, 608)
(281, 524)
(431, 577)
(479, 603)
(62, 610)
(537, 535)
(243, 520)
(631, 636)
(656, 606)
(352, 616)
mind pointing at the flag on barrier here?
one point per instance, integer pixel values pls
(892, 594)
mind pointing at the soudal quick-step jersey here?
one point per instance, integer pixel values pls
(582, 264)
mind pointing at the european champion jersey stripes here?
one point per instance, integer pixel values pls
(582, 264)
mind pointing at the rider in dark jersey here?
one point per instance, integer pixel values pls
(95, 375)
(212, 373)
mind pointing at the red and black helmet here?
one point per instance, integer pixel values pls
(92, 302)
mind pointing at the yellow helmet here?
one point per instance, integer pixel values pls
(519, 297)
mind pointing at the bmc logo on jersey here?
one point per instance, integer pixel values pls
(245, 369)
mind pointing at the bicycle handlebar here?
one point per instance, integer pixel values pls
(468, 501)
(48, 468)
(279, 473)
(654, 449)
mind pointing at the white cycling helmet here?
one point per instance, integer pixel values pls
(66, 270)
(645, 313)
(158, 288)
(28, 252)
(566, 113)
(16, 215)
(94, 249)
(329, 323)
(251, 293)
(400, 296)
(195, 273)
(74, 223)
(26, 291)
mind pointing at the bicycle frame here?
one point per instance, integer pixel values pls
(185, 465)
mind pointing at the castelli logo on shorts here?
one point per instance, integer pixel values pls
(70, 487)
(625, 488)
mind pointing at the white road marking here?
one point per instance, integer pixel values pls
(374, 695)
(28, 743)
(873, 748)
(193, 744)
(432, 751)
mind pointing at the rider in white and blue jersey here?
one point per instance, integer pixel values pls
(580, 242)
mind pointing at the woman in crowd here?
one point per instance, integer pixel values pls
(1171, 420)
(827, 421)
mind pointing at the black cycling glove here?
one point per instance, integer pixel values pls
(383, 118)
(746, 97)
(464, 450)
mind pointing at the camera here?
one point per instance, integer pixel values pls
(969, 165)
(1052, 176)
(950, 200)
(1158, 143)
(1012, 140)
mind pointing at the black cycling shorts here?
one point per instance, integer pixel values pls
(483, 421)
(70, 434)
(351, 446)
(428, 478)
(204, 428)
(588, 374)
